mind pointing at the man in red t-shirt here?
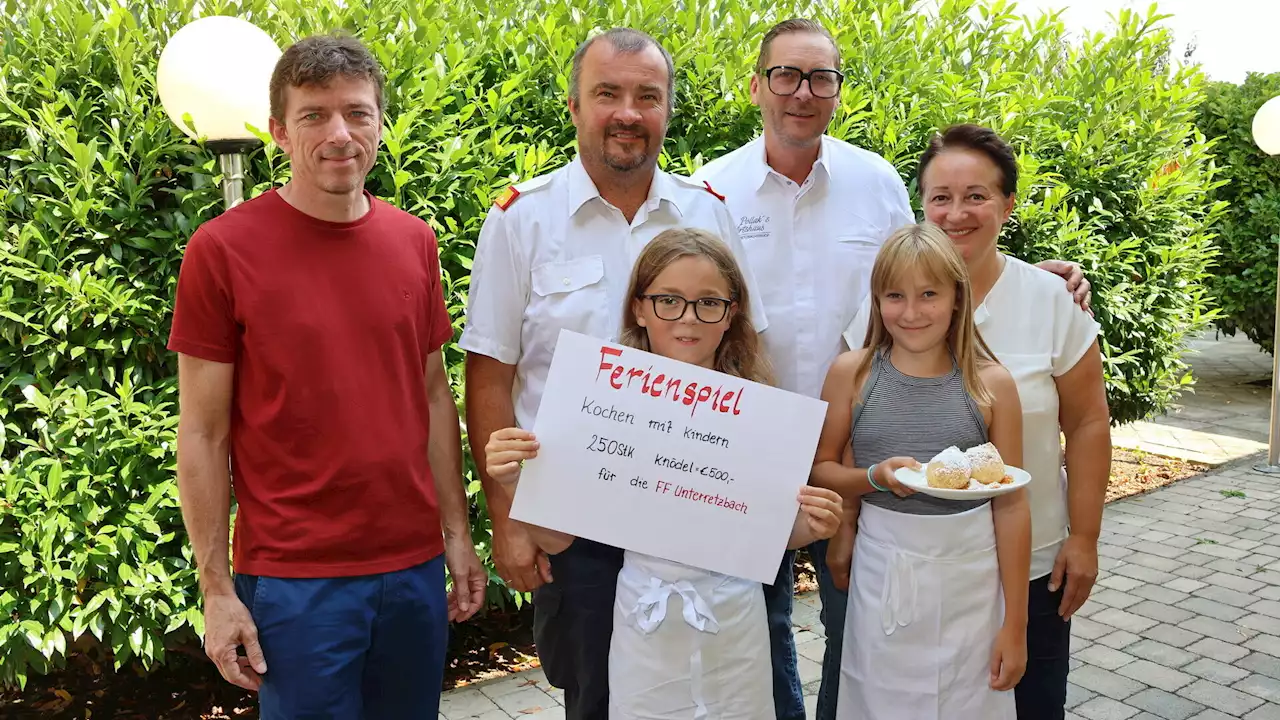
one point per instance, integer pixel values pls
(309, 323)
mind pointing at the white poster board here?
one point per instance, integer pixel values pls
(668, 459)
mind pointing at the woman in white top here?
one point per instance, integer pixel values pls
(967, 179)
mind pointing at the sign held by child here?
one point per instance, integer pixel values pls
(663, 457)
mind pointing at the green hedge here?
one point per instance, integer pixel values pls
(100, 193)
(1249, 230)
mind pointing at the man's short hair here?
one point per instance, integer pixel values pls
(787, 27)
(318, 59)
(623, 40)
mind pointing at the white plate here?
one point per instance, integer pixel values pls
(916, 480)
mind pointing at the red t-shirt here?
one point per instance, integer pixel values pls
(329, 326)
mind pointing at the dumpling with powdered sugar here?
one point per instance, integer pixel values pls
(949, 469)
(985, 464)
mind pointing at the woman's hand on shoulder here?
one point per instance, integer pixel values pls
(506, 451)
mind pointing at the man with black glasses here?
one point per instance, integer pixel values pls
(812, 212)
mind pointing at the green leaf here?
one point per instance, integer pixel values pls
(196, 618)
(175, 622)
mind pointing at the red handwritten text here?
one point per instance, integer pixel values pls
(686, 493)
(690, 393)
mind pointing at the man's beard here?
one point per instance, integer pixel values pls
(626, 162)
(792, 138)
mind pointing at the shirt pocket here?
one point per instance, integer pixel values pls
(569, 293)
(855, 255)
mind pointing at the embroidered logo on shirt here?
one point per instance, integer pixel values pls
(752, 227)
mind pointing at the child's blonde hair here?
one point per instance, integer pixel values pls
(926, 248)
(739, 353)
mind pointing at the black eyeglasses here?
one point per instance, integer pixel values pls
(672, 307)
(785, 80)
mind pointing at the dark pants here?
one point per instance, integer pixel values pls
(353, 648)
(834, 604)
(1042, 692)
(788, 696)
(573, 626)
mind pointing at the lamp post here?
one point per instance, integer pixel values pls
(1266, 133)
(217, 71)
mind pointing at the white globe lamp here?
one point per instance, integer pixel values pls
(1266, 133)
(213, 79)
(1266, 127)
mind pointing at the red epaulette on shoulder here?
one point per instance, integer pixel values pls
(713, 192)
(507, 197)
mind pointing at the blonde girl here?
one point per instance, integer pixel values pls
(936, 621)
(687, 643)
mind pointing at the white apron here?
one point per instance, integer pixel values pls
(925, 605)
(688, 645)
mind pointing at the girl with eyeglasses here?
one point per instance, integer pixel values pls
(708, 656)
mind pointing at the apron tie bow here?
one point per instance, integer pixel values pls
(651, 609)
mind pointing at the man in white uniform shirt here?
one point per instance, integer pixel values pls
(812, 212)
(557, 251)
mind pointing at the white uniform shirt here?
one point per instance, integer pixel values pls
(811, 245)
(1037, 331)
(561, 256)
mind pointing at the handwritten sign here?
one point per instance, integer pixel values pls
(668, 459)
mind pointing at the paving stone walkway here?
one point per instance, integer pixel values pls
(1185, 621)
(1226, 417)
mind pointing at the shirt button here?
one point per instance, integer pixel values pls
(566, 281)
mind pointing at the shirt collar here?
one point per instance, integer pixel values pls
(824, 158)
(760, 170)
(981, 313)
(582, 189)
(663, 189)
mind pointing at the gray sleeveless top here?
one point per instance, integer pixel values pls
(901, 415)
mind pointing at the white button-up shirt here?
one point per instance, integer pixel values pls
(1038, 333)
(812, 245)
(560, 256)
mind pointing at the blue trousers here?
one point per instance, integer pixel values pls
(1042, 692)
(369, 647)
(573, 626)
(834, 604)
(788, 695)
